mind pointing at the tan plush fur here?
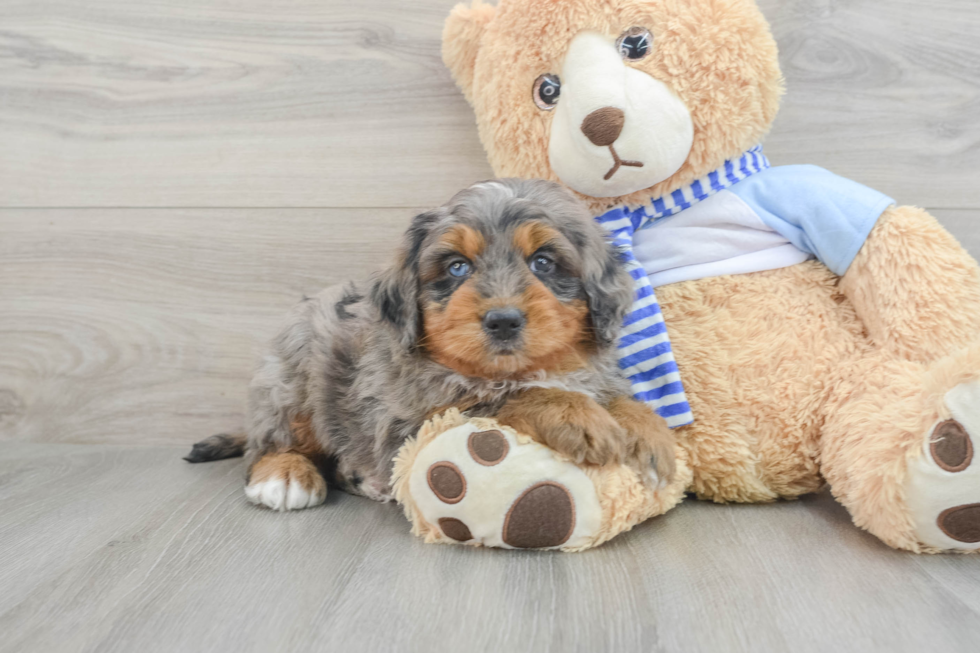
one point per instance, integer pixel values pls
(794, 375)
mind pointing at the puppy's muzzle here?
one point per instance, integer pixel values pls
(504, 324)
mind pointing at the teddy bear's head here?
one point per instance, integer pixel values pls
(620, 100)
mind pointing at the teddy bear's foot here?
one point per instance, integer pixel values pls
(490, 487)
(943, 486)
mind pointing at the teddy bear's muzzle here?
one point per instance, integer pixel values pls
(610, 109)
(602, 127)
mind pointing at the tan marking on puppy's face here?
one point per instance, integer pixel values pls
(555, 337)
(460, 240)
(531, 236)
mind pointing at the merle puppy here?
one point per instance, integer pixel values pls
(505, 302)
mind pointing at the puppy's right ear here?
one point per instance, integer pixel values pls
(395, 292)
(461, 39)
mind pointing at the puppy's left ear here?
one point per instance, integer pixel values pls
(395, 292)
(609, 288)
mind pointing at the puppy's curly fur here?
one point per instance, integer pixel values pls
(356, 371)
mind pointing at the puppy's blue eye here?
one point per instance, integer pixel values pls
(541, 264)
(459, 268)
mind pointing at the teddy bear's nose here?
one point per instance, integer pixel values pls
(603, 126)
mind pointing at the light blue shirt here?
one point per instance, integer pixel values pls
(774, 218)
(822, 214)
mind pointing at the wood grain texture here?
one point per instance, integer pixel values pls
(965, 225)
(245, 103)
(339, 103)
(887, 95)
(115, 549)
(144, 326)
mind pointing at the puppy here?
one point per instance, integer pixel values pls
(506, 302)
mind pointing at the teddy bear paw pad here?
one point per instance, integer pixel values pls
(943, 486)
(543, 516)
(488, 486)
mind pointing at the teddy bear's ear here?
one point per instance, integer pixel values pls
(461, 41)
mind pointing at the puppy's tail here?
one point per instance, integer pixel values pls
(217, 447)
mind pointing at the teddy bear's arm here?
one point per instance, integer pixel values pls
(914, 287)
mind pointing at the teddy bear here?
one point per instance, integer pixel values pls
(797, 328)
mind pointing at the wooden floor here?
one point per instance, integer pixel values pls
(174, 175)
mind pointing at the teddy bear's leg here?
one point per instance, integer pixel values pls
(902, 426)
(915, 289)
(898, 449)
(479, 482)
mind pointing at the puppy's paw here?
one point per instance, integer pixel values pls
(656, 456)
(653, 441)
(588, 436)
(285, 481)
(570, 423)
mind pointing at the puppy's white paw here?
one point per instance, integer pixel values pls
(280, 494)
(286, 482)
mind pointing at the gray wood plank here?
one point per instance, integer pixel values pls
(885, 94)
(106, 548)
(247, 103)
(339, 103)
(965, 225)
(122, 325)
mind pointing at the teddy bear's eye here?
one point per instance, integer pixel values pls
(635, 43)
(547, 88)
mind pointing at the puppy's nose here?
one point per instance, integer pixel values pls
(603, 126)
(503, 324)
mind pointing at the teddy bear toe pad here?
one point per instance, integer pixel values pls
(446, 482)
(455, 529)
(492, 488)
(943, 486)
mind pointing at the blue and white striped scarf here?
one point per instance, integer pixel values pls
(645, 354)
